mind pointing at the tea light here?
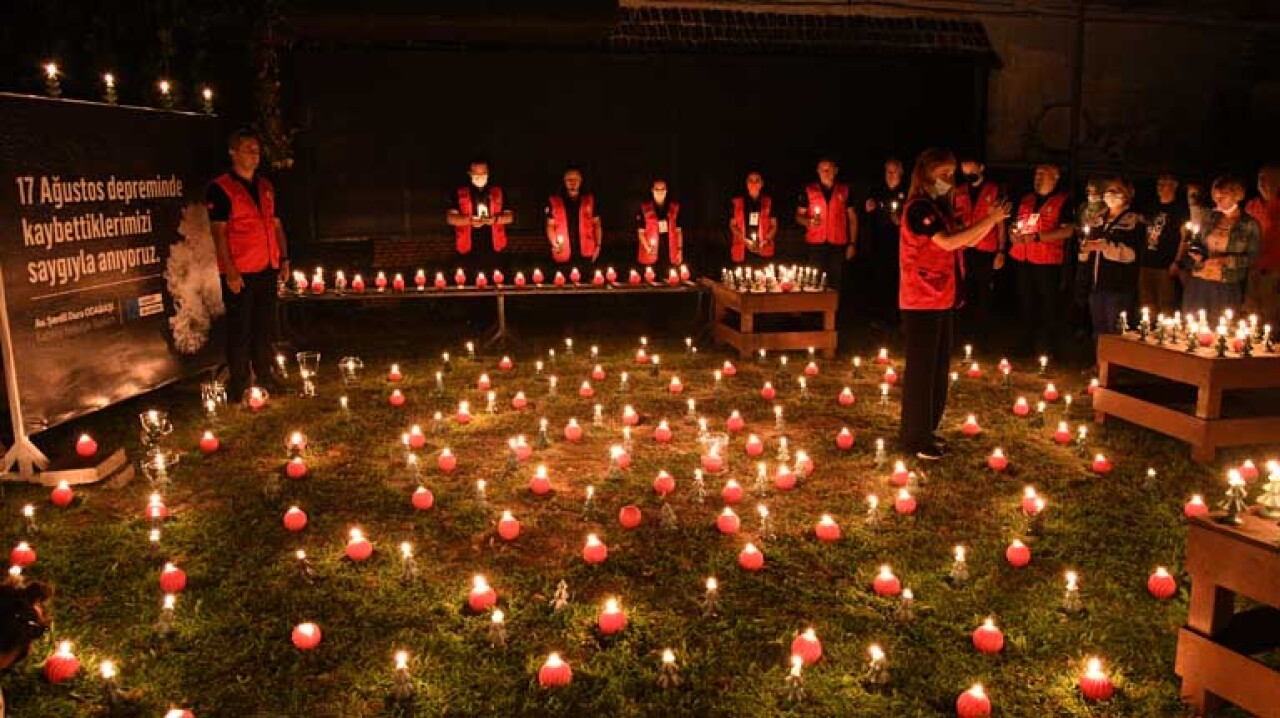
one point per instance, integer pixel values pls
(1161, 584)
(755, 447)
(446, 461)
(306, 636)
(1195, 507)
(594, 551)
(973, 703)
(395, 374)
(1062, 435)
(422, 498)
(784, 479)
(997, 461)
(662, 433)
(554, 672)
(883, 356)
(62, 665)
(974, 371)
(358, 547)
(257, 398)
(1050, 392)
(890, 376)
(900, 475)
(728, 369)
(807, 646)
(1101, 465)
(885, 583)
(482, 597)
(519, 401)
(396, 399)
(508, 526)
(1032, 504)
(750, 558)
(1248, 470)
(540, 484)
(905, 503)
(827, 530)
(987, 638)
(767, 392)
(1095, 685)
(172, 578)
(712, 462)
(970, 426)
(1017, 554)
(612, 618)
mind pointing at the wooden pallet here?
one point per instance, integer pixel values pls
(749, 306)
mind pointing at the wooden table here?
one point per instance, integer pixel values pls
(748, 305)
(1206, 429)
(1214, 647)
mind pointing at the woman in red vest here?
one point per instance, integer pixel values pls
(658, 226)
(752, 226)
(931, 272)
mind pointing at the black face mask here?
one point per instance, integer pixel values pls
(972, 179)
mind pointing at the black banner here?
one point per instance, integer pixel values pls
(109, 277)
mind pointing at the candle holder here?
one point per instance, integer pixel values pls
(876, 674)
(561, 598)
(669, 676)
(589, 504)
(906, 611)
(1234, 504)
(213, 397)
(408, 564)
(402, 689)
(795, 680)
(766, 522)
(760, 487)
(29, 520)
(164, 624)
(308, 365)
(711, 599)
(880, 456)
(872, 516)
(597, 416)
(784, 452)
(959, 575)
(668, 519)
(350, 368)
(1071, 603)
(304, 567)
(498, 629)
(700, 486)
(543, 441)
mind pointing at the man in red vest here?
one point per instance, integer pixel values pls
(829, 222)
(752, 226)
(573, 227)
(1037, 247)
(252, 252)
(479, 218)
(972, 201)
(658, 228)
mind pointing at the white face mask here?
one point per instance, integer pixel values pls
(480, 181)
(941, 187)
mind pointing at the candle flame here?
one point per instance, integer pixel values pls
(108, 670)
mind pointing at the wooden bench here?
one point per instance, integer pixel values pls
(1213, 648)
(748, 339)
(1206, 429)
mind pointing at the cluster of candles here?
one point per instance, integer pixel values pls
(774, 278)
(1195, 330)
(317, 284)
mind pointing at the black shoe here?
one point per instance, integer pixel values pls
(930, 453)
(940, 440)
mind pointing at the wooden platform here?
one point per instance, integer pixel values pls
(1213, 648)
(747, 339)
(1206, 428)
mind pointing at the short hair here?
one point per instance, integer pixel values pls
(572, 168)
(20, 622)
(893, 161)
(1048, 166)
(1125, 185)
(1229, 183)
(1167, 176)
(828, 158)
(240, 135)
(478, 161)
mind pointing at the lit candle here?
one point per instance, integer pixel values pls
(612, 618)
(987, 638)
(1095, 685)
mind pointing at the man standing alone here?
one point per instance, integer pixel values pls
(252, 253)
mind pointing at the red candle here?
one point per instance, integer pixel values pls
(172, 579)
(586, 391)
(662, 434)
(755, 447)
(973, 703)
(664, 484)
(734, 424)
(540, 484)
(598, 279)
(86, 446)
(890, 376)
(519, 401)
(446, 461)
(1248, 470)
(1095, 685)
(712, 462)
(439, 282)
(612, 618)
(1021, 407)
(208, 442)
(807, 646)
(22, 555)
(844, 439)
(537, 276)
(554, 672)
(397, 282)
(482, 597)
(257, 398)
(846, 397)
(974, 371)
(394, 374)
(727, 522)
(572, 432)
(827, 530)
(499, 277)
(483, 383)
(520, 281)
(597, 374)
(1161, 584)
(728, 369)
(784, 479)
(630, 516)
(649, 274)
(751, 559)
(306, 636)
(396, 399)
(417, 439)
(970, 426)
(296, 468)
(732, 492)
(1195, 507)
(1050, 392)
(62, 495)
(629, 416)
(508, 527)
(594, 551)
(1032, 504)
(905, 504)
(767, 392)
(885, 583)
(1101, 465)
(675, 387)
(900, 475)
(987, 638)
(420, 279)
(61, 665)
(357, 284)
(295, 519)
(811, 369)
(358, 547)
(1062, 435)
(423, 499)
(1018, 554)
(997, 460)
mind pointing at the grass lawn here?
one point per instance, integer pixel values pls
(230, 652)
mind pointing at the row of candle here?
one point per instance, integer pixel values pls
(318, 285)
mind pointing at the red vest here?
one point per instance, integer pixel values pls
(1040, 252)
(463, 232)
(652, 234)
(968, 214)
(251, 228)
(738, 250)
(586, 227)
(928, 274)
(834, 227)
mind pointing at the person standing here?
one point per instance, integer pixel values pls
(23, 621)
(1088, 220)
(931, 274)
(573, 226)
(479, 219)
(1037, 249)
(1113, 257)
(1221, 254)
(252, 253)
(973, 200)
(1166, 222)
(829, 222)
(658, 228)
(877, 247)
(1263, 291)
(752, 226)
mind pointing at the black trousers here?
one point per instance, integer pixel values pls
(250, 328)
(979, 276)
(928, 336)
(827, 258)
(1039, 287)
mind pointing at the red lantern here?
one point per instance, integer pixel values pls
(172, 579)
